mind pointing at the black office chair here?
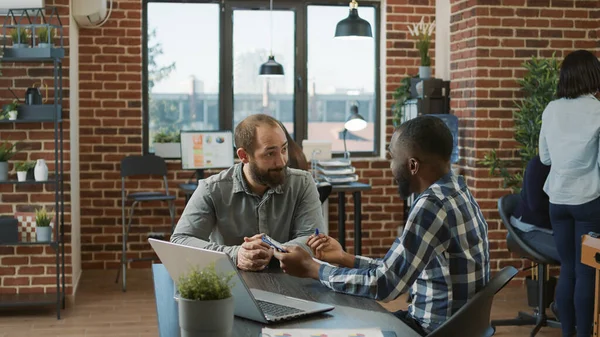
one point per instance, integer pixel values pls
(506, 206)
(134, 166)
(473, 319)
(324, 189)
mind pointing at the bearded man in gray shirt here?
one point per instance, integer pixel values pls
(232, 210)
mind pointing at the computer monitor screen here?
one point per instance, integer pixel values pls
(206, 149)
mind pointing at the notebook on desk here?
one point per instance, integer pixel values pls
(254, 304)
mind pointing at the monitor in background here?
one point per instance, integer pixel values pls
(201, 150)
(316, 149)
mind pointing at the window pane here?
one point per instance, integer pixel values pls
(251, 44)
(183, 73)
(340, 73)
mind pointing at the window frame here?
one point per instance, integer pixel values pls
(300, 61)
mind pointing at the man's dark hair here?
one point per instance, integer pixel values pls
(428, 135)
(579, 75)
(245, 132)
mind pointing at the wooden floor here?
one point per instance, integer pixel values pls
(101, 309)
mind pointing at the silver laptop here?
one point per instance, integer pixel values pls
(257, 305)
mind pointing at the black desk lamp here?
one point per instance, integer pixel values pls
(355, 122)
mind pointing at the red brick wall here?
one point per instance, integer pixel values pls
(489, 42)
(31, 269)
(111, 127)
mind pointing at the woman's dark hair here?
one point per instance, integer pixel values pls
(296, 158)
(579, 75)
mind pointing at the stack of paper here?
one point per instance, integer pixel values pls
(371, 332)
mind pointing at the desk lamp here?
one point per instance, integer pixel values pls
(355, 122)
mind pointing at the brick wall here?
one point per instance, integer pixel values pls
(489, 42)
(31, 269)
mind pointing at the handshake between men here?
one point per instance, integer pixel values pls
(255, 254)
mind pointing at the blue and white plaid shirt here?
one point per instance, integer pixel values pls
(442, 254)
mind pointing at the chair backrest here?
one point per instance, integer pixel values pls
(506, 207)
(324, 191)
(143, 165)
(473, 319)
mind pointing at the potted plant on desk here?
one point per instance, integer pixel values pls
(205, 303)
(43, 230)
(167, 144)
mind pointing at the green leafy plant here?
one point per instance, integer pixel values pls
(165, 135)
(401, 95)
(7, 150)
(11, 106)
(42, 34)
(539, 88)
(24, 166)
(422, 32)
(24, 38)
(205, 285)
(42, 218)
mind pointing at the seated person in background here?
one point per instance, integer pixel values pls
(443, 251)
(296, 158)
(230, 211)
(532, 216)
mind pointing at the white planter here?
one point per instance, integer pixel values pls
(3, 170)
(44, 45)
(22, 176)
(43, 234)
(206, 318)
(41, 170)
(20, 45)
(167, 150)
(12, 115)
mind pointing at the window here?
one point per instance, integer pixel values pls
(201, 62)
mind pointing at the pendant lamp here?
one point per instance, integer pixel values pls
(271, 68)
(353, 27)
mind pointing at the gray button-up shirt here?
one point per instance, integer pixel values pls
(223, 210)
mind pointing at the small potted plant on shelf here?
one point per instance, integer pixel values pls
(10, 110)
(422, 32)
(23, 168)
(45, 39)
(7, 151)
(205, 303)
(20, 38)
(167, 143)
(43, 230)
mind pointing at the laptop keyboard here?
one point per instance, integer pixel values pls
(277, 310)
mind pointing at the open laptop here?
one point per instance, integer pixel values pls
(257, 305)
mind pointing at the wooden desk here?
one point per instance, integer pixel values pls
(590, 255)
(354, 188)
(349, 312)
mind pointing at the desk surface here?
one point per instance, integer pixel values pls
(350, 311)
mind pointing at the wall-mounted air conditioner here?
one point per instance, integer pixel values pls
(5, 5)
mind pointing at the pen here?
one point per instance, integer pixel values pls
(316, 231)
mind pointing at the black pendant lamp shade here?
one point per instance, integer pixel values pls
(271, 68)
(353, 26)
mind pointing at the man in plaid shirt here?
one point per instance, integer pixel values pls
(442, 255)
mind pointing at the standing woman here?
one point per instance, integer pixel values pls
(569, 141)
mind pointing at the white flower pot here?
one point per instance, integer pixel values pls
(425, 72)
(22, 176)
(12, 115)
(20, 45)
(41, 170)
(44, 45)
(167, 150)
(43, 234)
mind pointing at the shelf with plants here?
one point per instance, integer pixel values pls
(36, 36)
